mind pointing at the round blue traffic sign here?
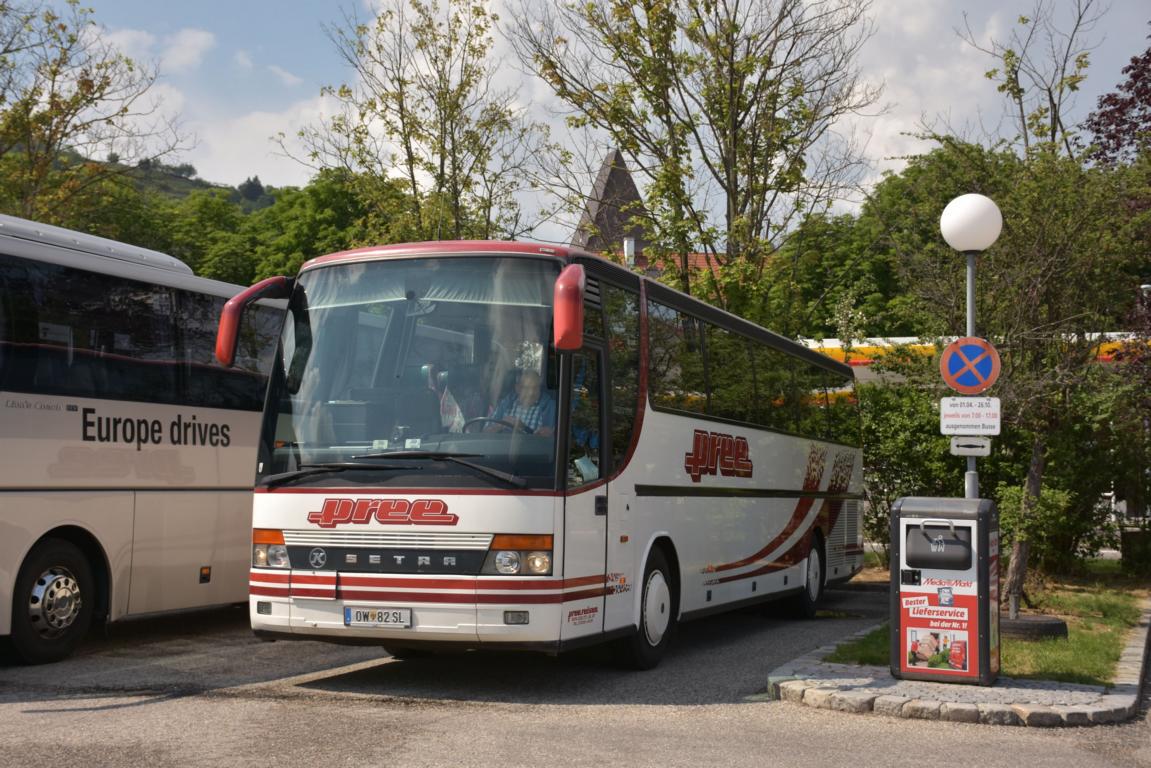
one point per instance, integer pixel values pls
(969, 365)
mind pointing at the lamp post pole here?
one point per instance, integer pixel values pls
(971, 477)
(971, 224)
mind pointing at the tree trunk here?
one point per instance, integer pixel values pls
(1017, 571)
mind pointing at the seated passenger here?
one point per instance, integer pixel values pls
(530, 408)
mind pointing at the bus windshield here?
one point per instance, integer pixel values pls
(433, 372)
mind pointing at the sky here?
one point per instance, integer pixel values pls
(242, 71)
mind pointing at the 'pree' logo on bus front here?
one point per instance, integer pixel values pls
(387, 511)
(713, 453)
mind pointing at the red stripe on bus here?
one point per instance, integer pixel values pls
(321, 579)
(570, 597)
(268, 591)
(407, 597)
(812, 477)
(802, 507)
(367, 580)
(519, 599)
(278, 577)
(786, 560)
(396, 582)
(313, 592)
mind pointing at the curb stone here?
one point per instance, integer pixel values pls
(813, 682)
(922, 710)
(997, 714)
(890, 705)
(959, 713)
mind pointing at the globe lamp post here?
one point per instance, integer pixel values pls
(971, 224)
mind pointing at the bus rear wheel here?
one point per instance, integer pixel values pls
(52, 604)
(805, 604)
(659, 606)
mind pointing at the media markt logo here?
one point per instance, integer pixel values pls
(317, 558)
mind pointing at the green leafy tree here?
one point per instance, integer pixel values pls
(903, 453)
(725, 111)
(202, 227)
(67, 95)
(325, 216)
(426, 107)
(1039, 68)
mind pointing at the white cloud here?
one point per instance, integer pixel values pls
(184, 50)
(231, 149)
(286, 77)
(243, 60)
(133, 43)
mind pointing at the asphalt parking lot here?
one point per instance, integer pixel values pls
(199, 689)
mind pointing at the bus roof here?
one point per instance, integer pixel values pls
(443, 247)
(46, 234)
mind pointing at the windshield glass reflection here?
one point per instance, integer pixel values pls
(446, 355)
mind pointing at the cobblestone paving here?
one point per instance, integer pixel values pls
(813, 682)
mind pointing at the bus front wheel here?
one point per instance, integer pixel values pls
(659, 605)
(53, 601)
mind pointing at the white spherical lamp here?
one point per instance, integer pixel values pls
(971, 223)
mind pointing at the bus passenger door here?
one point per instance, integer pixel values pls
(585, 509)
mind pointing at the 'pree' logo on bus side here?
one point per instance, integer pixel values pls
(715, 453)
(387, 511)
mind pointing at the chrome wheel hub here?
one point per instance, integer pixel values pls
(656, 608)
(55, 602)
(814, 574)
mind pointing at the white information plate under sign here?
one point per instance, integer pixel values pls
(969, 416)
(970, 446)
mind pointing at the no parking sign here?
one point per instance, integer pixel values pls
(969, 365)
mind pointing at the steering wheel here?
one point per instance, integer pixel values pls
(487, 420)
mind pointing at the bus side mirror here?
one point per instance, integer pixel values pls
(568, 306)
(229, 330)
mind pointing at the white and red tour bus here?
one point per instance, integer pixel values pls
(126, 483)
(516, 446)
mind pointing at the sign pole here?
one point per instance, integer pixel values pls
(971, 224)
(971, 477)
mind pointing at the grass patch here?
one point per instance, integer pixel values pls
(874, 649)
(1099, 567)
(1098, 618)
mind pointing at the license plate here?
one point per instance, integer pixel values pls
(377, 617)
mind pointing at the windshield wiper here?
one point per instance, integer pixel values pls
(306, 470)
(456, 458)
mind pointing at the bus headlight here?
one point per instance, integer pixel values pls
(538, 563)
(508, 562)
(268, 549)
(514, 555)
(270, 556)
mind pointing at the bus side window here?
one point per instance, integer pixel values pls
(584, 437)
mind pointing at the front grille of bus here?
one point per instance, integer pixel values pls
(388, 552)
(397, 539)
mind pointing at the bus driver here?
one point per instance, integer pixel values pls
(529, 409)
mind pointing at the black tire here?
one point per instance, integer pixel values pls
(806, 603)
(1032, 627)
(659, 607)
(53, 602)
